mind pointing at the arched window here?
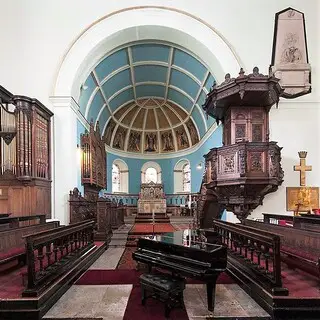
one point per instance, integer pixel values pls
(115, 178)
(151, 171)
(182, 176)
(186, 179)
(120, 176)
(151, 175)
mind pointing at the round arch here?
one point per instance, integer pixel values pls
(143, 22)
(178, 175)
(150, 164)
(124, 175)
(106, 34)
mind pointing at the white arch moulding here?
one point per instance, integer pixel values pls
(186, 30)
(104, 35)
(150, 164)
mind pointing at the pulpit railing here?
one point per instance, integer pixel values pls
(243, 161)
(53, 252)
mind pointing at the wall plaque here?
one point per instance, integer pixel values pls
(289, 61)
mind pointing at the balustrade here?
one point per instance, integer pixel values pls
(258, 251)
(51, 253)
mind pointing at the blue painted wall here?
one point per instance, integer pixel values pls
(167, 166)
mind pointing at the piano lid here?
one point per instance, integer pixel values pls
(185, 238)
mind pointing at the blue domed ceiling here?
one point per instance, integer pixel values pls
(148, 98)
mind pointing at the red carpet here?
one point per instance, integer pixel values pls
(11, 284)
(153, 309)
(299, 283)
(105, 277)
(149, 228)
(126, 261)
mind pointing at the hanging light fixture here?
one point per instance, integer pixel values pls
(200, 165)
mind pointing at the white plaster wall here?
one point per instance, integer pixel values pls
(36, 35)
(295, 126)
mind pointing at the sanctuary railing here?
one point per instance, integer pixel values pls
(173, 199)
(129, 199)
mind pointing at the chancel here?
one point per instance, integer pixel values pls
(159, 160)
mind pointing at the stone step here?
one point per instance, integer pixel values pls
(117, 243)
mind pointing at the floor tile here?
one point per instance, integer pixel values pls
(231, 301)
(108, 302)
(109, 259)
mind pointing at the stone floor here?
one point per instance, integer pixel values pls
(109, 301)
(119, 237)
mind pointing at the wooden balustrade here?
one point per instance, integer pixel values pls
(258, 252)
(50, 254)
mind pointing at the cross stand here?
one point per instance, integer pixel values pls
(302, 167)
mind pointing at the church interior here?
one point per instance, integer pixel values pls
(159, 160)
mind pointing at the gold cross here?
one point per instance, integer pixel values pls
(302, 167)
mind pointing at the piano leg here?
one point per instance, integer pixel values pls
(211, 293)
(143, 296)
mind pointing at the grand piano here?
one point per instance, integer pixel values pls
(185, 255)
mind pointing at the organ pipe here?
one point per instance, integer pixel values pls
(24, 138)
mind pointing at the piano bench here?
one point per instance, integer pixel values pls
(163, 287)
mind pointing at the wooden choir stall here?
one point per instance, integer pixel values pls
(25, 155)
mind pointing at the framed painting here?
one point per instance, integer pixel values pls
(306, 197)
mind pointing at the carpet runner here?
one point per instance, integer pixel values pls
(143, 229)
(153, 309)
(120, 277)
(149, 228)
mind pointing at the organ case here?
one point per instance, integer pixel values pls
(25, 155)
(93, 162)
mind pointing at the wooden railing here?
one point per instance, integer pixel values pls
(257, 251)
(51, 253)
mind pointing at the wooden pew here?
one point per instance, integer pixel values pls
(277, 219)
(303, 221)
(12, 242)
(14, 222)
(300, 248)
(253, 252)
